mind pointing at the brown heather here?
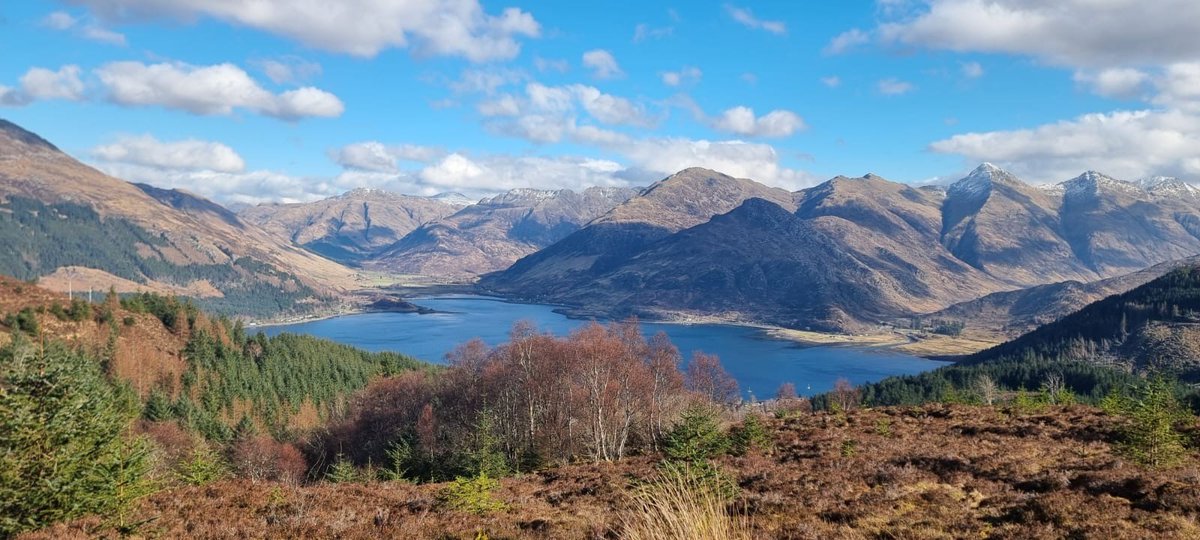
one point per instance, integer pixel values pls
(935, 472)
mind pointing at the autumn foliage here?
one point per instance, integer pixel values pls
(599, 394)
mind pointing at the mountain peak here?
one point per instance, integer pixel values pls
(1092, 182)
(981, 180)
(1166, 186)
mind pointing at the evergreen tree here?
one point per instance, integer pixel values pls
(65, 447)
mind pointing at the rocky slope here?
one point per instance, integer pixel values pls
(491, 234)
(862, 251)
(56, 212)
(353, 226)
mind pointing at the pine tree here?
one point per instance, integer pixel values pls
(65, 446)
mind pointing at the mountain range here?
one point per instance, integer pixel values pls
(852, 253)
(848, 255)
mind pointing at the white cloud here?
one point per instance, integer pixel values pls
(288, 69)
(742, 121)
(188, 154)
(894, 87)
(1080, 33)
(971, 70)
(486, 80)
(41, 83)
(1125, 144)
(736, 158)
(602, 64)
(847, 40)
(207, 90)
(746, 18)
(63, 21)
(1179, 86)
(548, 114)
(377, 157)
(686, 75)
(59, 20)
(1114, 82)
(644, 31)
(357, 27)
(832, 81)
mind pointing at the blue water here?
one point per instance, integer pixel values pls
(758, 362)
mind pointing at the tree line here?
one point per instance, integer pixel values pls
(601, 393)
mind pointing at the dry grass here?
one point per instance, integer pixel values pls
(675, 504)
(914, 473)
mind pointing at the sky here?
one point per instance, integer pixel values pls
(297, 100)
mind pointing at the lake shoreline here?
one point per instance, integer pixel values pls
(929, 346)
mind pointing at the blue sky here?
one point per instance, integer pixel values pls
(289, 101)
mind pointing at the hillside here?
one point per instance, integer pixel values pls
(495, 232)
(1108, 344)
(1012, 313)
(57, 212)
(350, 227)
(878, 251)
(929, 472)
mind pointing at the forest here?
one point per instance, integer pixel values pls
(50, 236)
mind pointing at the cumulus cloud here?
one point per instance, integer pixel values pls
(742, 121)
(209, 90)
(1081, 33)
(847, 40)
(548, 114)
(832, 81)
(358, 27)
(1114, 82)
(40, 83)
(746, 18)
(1125, 144)
(378, 157)
(602, 63)
(894, 87)
(188, 154)
(686, 75)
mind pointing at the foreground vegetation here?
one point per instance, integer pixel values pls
(934, 471)
(601, 433)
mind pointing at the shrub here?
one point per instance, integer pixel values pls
(204, 466)
(342, 471)
(474, 494)
(65, 450)
(678, 503)
(751, 435)
(696, 437)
